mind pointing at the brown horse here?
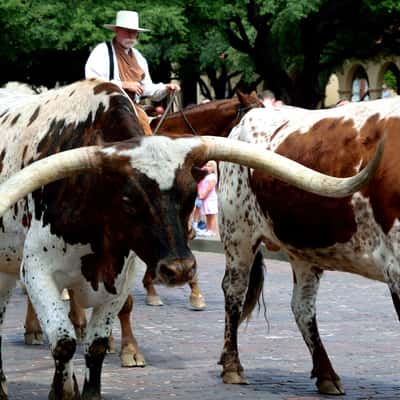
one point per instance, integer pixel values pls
(216, 118)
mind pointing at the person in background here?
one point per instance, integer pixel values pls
(386, 92)
(198, 225)
(208, 195)
(198, 222)
(121, 63)
(269, 100)
(342, 102)
(159, 110)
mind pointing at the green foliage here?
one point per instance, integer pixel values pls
(390, 80)
(38, 31)
(292, 45)
(167, 41)
(299, 43)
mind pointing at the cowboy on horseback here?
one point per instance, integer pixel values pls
(119, 62)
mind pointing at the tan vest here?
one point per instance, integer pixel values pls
(128, 67)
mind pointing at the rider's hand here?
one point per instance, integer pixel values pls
(172, 87)
(133, 86)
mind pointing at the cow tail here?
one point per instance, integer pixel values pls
(255, 288)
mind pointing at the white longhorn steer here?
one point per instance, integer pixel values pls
(357, 234)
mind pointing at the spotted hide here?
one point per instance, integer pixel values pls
(357, 233)
(83, 232)
(83, 191)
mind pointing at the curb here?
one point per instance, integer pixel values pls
(215, 246)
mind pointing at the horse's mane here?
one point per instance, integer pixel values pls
(216, 116)
(195, 108)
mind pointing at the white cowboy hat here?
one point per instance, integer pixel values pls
(127, 20)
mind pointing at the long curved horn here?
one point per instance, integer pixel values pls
(46, 170)
(287, 170)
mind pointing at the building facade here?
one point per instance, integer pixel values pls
(362, 80)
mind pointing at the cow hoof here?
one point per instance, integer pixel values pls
(197, 302)
(34, 338)
(154, 301)
(75, 395)
(234, 378)
(111, 345)
(132, 360)
(56, 395)
(332, 387)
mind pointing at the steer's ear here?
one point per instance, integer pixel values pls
(198, 173)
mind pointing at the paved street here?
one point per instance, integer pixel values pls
(357, 322)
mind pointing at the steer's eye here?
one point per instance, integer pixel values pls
(127, 201)
(128, 206)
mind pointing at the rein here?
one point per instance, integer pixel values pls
(188, 123)
(243, 110)
(240, 112)
(172, 99)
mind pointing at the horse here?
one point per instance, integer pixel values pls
(216, 117)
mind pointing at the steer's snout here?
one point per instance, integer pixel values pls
(178, 271)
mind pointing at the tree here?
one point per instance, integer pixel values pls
(295, 45)
(390, 80)
(291, 45)
(44, 43)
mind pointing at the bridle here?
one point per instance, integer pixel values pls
(172, 99)
(241, 110)
(188, 123)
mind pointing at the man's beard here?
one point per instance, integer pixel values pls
(128, 43)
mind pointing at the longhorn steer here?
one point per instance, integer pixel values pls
(113, 201)
(78, 233)
(218, 117)
(358, 233)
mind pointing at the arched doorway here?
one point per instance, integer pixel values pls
(359, 85)
(391, 78)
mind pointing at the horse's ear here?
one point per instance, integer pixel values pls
(241, 96)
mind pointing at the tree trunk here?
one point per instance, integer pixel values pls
(190, 77)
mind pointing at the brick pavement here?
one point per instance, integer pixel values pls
(357, 323)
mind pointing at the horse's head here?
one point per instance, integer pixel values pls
(238, 108)
(248, 101)
(216, 117)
